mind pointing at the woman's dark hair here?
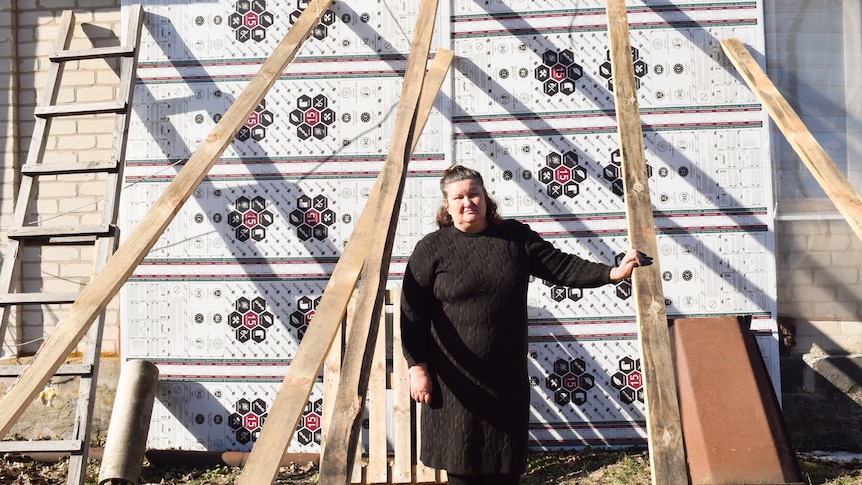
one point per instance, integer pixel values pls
(457, 173)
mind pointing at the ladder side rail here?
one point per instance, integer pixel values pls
(106, 246)
(77, 472)
(125, 94)
(11, 269)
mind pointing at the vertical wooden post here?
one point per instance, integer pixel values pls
(667, 454)
(401, 403)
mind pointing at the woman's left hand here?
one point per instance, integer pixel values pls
(632, 259)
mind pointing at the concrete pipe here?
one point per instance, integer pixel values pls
(126, 443)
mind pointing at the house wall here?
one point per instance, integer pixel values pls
(819, 259)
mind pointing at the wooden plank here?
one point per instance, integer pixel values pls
(105, 285)
(41, 446)
(401, 435)
(60, 231)
(422, 473)
(831, 179)
(667, 455)
(79, 109)
(63, 370)
(37, 298)
(331, 372)
(67, 168)
(378, 458)
(95, 53)
(345, 426)
(305, 366)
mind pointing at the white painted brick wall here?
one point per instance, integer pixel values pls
(820, 283)
(66, 199)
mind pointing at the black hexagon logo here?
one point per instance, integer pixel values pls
(250, 319)
(250, 218)
(639, 65)
(570, 381)
(312, 218)
(250, 20)
(313, 117)
(558, 72)
(628, 380)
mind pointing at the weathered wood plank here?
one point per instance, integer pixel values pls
(402, 464)
(345, 425)
(819, 163)
(378, 459)
(667, 454)
(105, 285)
(296, 387)
(79, 109)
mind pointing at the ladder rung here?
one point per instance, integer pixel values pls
(41, 446)
(63, 370)
(80, 109)
(60, 231)
(9, 299)
(67, 168)
(96, 53)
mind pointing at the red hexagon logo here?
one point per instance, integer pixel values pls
(312, 117)
(635, 380)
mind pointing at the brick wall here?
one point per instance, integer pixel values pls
(820, 287)
(66, 199)
(819, 273)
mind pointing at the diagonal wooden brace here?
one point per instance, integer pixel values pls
(367, 247)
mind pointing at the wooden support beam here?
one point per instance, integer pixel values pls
(105, 285)
(667, 454)
(292, 397)
(830, 178)
(343, 433)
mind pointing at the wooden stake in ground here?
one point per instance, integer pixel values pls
(105, 285)
(292, 397)
(830, 178)
(667, 454)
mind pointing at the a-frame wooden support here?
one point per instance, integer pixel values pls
(368, 252)
(830, 178)
(344, 425)
(107, 282)
(664, 428)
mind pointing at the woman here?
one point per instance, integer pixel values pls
(464, 330)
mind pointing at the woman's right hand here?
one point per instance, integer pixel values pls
(420, 384)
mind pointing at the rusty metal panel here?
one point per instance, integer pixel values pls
(732, 424)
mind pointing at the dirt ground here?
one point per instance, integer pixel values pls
(586, 467)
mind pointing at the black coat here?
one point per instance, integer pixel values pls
(464, 313)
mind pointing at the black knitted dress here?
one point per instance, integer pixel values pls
(464, 313)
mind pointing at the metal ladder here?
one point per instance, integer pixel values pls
(101, 238)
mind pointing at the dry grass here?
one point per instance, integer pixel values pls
(585, 467)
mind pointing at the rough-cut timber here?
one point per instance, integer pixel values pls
(830, 178)
(293, 394)
(667, 454)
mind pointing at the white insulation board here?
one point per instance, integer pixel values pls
(222, 301)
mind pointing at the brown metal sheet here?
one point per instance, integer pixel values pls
(732, 425)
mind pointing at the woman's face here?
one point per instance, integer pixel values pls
(465, 202)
